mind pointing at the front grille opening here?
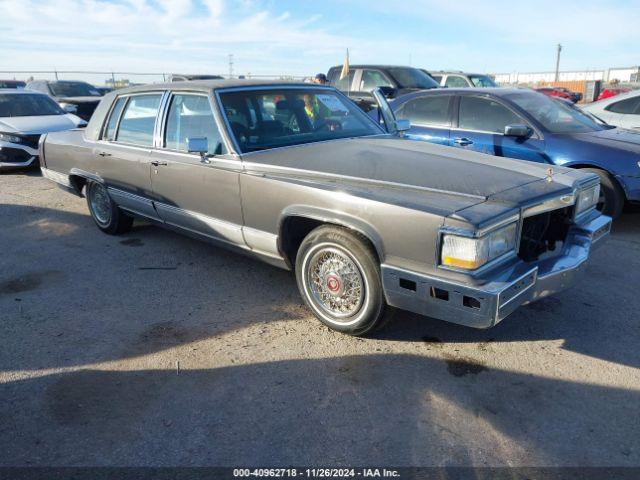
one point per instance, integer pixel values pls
(544, 233)
(470, 302)
(440, 294)
(408, 284)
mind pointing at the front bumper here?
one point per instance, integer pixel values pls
(484, 306)
(14, 155)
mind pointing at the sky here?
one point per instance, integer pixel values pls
(305, 37)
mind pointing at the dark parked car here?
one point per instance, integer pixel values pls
(12, 84)
(79, 98)
(392, 80)
(524, 124)
(298, 176)
(177, 77)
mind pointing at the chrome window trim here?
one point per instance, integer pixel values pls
(162, 93)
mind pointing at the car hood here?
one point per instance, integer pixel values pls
(619, 138)
(38, 123)
(413, 173)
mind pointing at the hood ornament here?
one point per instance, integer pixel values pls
(549, 174)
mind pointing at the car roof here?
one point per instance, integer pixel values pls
(208, 85)
(373, 65)
(455, 72)
(20, 91)
(497, 91)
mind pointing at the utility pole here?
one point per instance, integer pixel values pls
(558, 62)
(231, 65)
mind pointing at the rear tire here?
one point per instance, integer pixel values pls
(338, 276)
(105, 213)
(612, 195)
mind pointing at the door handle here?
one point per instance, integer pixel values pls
(104, 154)
(462, 141)
(155, 163)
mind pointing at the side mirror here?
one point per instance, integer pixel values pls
(403, 126)
(518, 131)
(388, 92)
(198, 145)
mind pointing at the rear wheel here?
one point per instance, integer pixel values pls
(611, 201)
(108, 217)
(339, 278)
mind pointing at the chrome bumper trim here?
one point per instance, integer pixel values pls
(18, 164)
(484, 306)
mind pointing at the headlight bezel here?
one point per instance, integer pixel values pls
(11, 138)
(589, 195)
(484, 240)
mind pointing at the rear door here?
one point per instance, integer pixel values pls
(430, 117)
(194, 192)
(480, 126)
(122, 155)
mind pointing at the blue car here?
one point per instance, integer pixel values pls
(523, 124)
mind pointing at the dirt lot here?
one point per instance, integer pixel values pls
(155, 349)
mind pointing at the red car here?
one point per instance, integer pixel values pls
(612, 92)
(561, 93)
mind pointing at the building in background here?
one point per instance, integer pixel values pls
(621, 75)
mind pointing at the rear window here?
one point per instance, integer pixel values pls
(138, 120)
(427, 110)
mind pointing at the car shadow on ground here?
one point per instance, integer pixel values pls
(392, 409)
(101, 297)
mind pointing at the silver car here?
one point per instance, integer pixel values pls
(24, 116)
(298, 176)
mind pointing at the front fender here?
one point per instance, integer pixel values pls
(334, 217)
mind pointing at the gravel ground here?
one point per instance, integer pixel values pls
(156, 349)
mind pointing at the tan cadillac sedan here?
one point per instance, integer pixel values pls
(298, 176)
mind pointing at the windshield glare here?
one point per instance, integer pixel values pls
(412, 78)
(553, 115)
(263, 119)
(482, 81)
(27, 105)
(73, 89)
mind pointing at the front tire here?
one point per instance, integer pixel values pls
(105, 213)
(338, 276)
(611, 200)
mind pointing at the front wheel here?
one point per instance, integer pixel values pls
(339, 278)
(108, 217)
(611, 201)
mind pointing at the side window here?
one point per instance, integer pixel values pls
(456, 81)
(345, 83)
(190, 116)
(437, 78)
(112, 124)
(372, 79)
(432, 110)
(629, 105)
(485, 115)
(138, 120)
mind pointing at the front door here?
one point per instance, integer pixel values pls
(194, 192)
(480, 127)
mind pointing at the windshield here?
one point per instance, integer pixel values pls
(27, 105)
(482, 81)
(555, 116)
(263, 119)
(73, 89)
(412, 78)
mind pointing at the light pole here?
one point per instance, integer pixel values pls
(558, 62)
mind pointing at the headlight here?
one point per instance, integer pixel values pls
(8, 137)
(472, 253)
(69, 107)
(587, 198)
